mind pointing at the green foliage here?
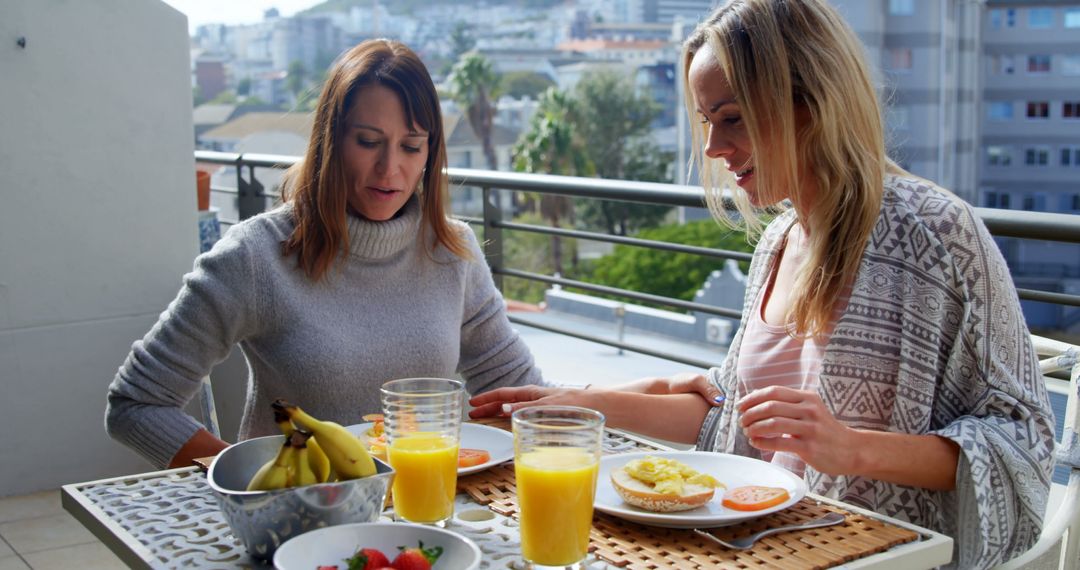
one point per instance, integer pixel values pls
(251, 101)
(531, 252)
(296, 77)
(243, 87)
(526, 84)
(461, 40)
(615, 116)
(224, 98)
(476, 87)
(675, 275)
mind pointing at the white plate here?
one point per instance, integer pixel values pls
(731, 470)
(498, 442)
(332, 545)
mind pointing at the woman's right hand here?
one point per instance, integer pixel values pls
(505, 401)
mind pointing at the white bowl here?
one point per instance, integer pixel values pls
(332, 545)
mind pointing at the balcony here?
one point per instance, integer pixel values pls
(98, 225)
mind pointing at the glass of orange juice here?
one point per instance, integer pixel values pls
(556, 456)
(422, 418)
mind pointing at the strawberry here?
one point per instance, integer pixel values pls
(368, 559)
(419, 558)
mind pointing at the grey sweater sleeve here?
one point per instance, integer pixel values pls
(492, 353)
(213, 310)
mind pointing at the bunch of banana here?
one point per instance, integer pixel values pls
(346, 453)
(278, 473)
(316, 457)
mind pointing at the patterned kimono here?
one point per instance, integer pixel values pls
(932, 342)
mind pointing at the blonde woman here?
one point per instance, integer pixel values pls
(882, 352)
(358, 278)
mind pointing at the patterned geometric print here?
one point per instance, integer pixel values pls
(932, 342)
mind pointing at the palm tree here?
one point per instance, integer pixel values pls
(475, 86)
(552, 146)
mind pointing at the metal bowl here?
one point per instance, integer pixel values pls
(263, 520)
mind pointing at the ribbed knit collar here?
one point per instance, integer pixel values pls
(377, 240)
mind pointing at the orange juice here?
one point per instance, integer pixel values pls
(426, 476)
(555, 486)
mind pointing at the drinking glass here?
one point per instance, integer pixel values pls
(556, 458)
(423, 429)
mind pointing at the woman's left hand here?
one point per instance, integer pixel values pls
(797, 421)
(505, 401)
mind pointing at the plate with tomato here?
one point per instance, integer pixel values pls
(370, 546)
(749, 488)
(481, 446)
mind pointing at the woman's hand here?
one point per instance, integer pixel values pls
(797, 421)
(504, 401)
(692, 382)
(682, 383)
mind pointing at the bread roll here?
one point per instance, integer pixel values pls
(642, 495)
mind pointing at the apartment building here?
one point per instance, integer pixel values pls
(1030, 148)
(927, 53)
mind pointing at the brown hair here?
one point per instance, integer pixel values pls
(316, 186)
(779, 55)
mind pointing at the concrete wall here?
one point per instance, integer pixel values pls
(97, 220)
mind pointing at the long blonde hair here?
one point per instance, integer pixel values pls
(782, 57)
(316, 186)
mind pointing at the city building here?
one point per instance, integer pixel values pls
(1030, 147)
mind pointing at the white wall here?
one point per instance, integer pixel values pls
(97, 220)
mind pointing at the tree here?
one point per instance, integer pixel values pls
(674, 275)
(526, 84)
(615, 131)
(295, 78)
(461, 40)
(475, 86)
(553, 146)
(243, 87)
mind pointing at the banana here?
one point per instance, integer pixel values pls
(278, 473)
(304, 473)
(318, 460)
(316, 456)
(344, 450)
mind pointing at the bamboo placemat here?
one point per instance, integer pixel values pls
(630, 545)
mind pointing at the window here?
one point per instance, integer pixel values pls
(998, 155)
(1001, 65)
(1041, 18)
(1070, 64)
(1036, 201)
(999, 110)
(1070, 109)
(900, 59)
(1070, 156)
(1003, 18)
(1003, 200)
(990, 200)
(1038, 110)
(1072, 17)
(897, 117)
(901, 7)
(1037, 156)
(1039, 63)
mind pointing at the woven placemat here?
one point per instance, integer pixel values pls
(630, 545)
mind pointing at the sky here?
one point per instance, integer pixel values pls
(201, 12)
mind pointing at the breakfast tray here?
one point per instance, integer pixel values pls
(630, 545)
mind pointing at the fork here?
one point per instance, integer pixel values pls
(748, 541)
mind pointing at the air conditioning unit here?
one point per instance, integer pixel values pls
(718, 331)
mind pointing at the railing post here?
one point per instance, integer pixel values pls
(493, 242)
(249, 199)
(620, 319)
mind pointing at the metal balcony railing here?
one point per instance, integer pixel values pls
(252, 198)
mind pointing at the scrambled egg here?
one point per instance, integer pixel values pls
(667, 476)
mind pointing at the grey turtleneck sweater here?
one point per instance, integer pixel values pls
(391, 309)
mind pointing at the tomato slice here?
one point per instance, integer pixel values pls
(472, 457)
(372, 417)
(754, 497)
